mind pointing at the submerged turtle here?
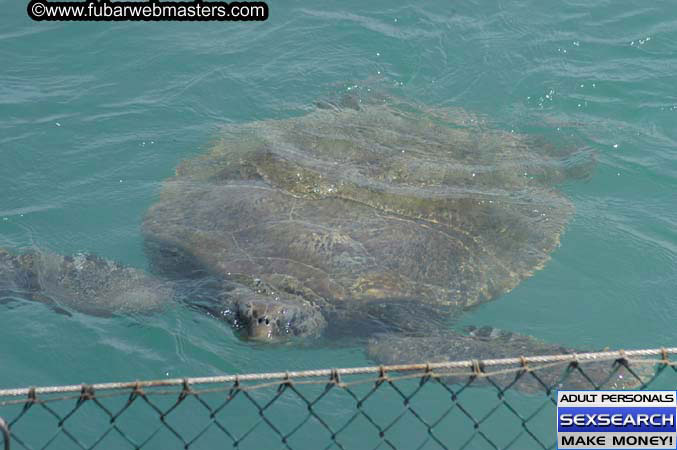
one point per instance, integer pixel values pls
(374, 218)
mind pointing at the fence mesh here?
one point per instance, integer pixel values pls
(494, 404)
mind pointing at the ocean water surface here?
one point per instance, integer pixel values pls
(94, 116)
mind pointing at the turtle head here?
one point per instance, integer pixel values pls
(269, 318)
(264, 320)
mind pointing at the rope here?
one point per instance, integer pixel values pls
(523, 361)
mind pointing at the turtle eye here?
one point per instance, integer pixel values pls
(267, 322)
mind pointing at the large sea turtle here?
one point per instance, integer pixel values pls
(382, 219)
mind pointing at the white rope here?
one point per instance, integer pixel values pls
(468, 364)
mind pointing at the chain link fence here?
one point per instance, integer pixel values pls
(489, 404)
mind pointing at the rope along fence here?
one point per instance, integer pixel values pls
(494, 404)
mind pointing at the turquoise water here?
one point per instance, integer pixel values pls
(93, 116)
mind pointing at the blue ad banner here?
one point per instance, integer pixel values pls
(619, 419)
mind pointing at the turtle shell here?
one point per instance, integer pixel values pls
(388, 201)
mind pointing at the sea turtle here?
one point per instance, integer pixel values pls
(367, 218)
(383, 220)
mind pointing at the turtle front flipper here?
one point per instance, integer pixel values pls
(18, 277)
(490, 344)
(83, 282)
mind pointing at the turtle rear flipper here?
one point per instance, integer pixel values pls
(489, 344)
